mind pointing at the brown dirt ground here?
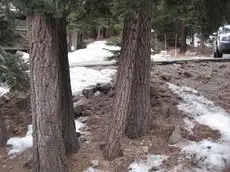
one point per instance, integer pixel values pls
(211, 79)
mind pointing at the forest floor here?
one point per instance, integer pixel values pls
(210, 79)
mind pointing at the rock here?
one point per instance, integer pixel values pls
(222, 66)
(77, 109)
(95, 163)
(76, 98)
(104, 88)
(83, 119)
(166, 77)
(145, 149)
(98, 93)
(79, 106)
(86, 113)
(176, 136)
(78, 134)
(187, 74)
(89, 91)
(153, 169)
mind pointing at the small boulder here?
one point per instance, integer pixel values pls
(95, 163)
(153, 169)
(166, 77)
(89, 91)
(79, 107)
(176, 136)
(104, 88)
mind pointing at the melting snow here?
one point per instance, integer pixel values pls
(146, 165)
(207, 155)
(96, 51)
(3, 90)
(20, 144)
(82, 77)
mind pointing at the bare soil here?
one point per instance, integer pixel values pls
(212, 79)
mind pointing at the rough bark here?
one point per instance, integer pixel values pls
(3, 131)
(68, 125)
(183, 37)
(139, 116)
(46, 95)
(123, 86)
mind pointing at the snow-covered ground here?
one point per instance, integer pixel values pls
(97, 51)
(20, 144)
(82, 77)
(3, 90)
(209, 155)
(153, 161)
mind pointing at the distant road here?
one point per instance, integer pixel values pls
(226, 58)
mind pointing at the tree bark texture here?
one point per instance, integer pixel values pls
(139, 116)
(51, 118)
(123, 88)
(68, 125)
(132, 99)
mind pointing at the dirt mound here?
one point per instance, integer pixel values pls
(15, 109)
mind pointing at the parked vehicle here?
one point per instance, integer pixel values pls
(221, 42)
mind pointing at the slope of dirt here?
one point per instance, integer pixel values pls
(211, 79)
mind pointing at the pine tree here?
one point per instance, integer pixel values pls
(131, 113)
(51, 96)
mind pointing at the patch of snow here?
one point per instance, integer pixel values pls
(146, 165)
(82, 77)
(189, 125)
(203, 110)
(3, 90)
(78, 125)
(96, 51)
(206, 155)
(19, 144)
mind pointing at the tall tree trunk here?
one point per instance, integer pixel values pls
(134, 68)
(68, 126)
(183, 36)
(123, 87)
(139, 116)
(47, 73)
(3, 132)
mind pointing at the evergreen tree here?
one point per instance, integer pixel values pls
(131, 113)
(51, 95)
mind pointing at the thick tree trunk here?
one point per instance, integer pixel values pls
(133, 84)
(183, 37)
(139, 116)
(123, 87)
(47, 73)
(3, 131)
(68, 131)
